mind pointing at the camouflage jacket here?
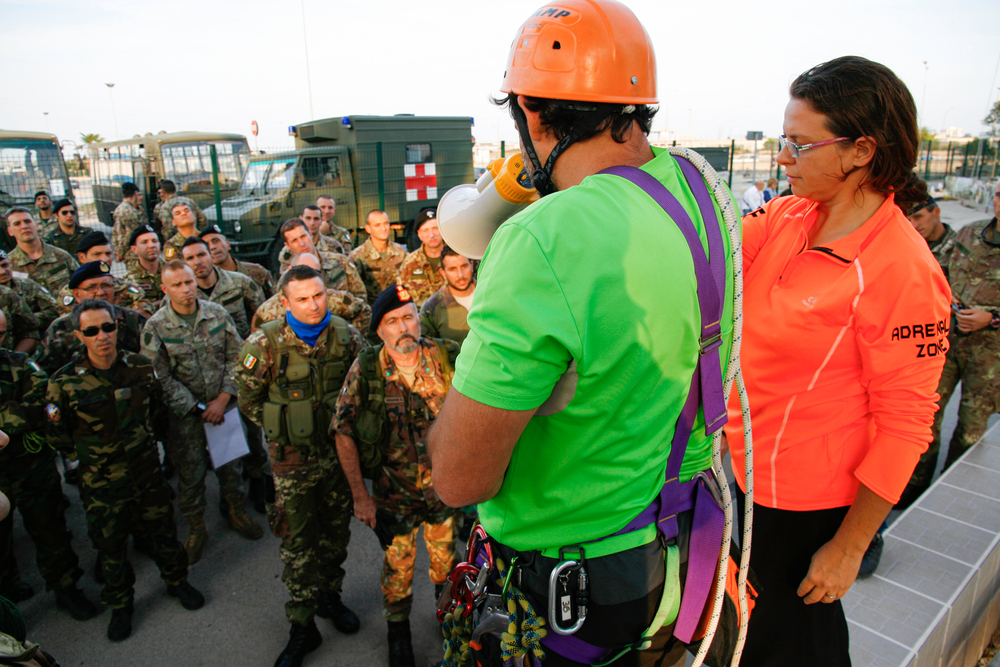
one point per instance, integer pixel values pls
(64, 241)
(418, 276)
(150, 283)
(52, 270)
(163, 214)
(340, 303)
(21, 323)
(944, 247)
(381, 268)
(258, 274)
(193, 364)
(45, 225)
(405, 483)
(22, 401)
(127, 294)
(257, 370)
(442, 316)
(61, 345)
(172, 248)
(108, 420)
(340, 273)
(39, 300)
(325, 244)
(239, 295)
(974, 268)
(342, 236)
(127, 217)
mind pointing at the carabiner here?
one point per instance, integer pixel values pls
(555, 608)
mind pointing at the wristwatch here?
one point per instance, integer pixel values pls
(995, 322)
(198, 408)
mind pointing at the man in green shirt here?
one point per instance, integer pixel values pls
(584, 335)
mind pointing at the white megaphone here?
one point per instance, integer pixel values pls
(468, 215)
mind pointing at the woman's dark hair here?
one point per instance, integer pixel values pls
(861, 98)
(585, 119)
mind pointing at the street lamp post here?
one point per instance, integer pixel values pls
(114, 114)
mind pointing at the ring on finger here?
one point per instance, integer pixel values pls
(831, 597)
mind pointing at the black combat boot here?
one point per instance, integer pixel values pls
(120, 626)
(190, 598)
(75, 602)
(332, 607)
(302, 640)
(400, 644)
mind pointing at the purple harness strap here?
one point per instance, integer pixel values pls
(705, 393)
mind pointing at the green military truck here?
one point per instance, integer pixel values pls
(401, 164)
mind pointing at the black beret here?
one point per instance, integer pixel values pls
(139, 231)
(211, 229)
(62, 203)
(193, 240)
(391, 299)
(423, 217)
(40, 193)
(90, 240)
(88, 271)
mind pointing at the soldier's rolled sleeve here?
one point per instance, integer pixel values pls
(347, 403)
(177, 397)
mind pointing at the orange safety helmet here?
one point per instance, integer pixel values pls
(583, 50)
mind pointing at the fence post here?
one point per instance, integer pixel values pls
(215, 185)
(965, 158)
(927, 170)
(732, 152)
(381, 178)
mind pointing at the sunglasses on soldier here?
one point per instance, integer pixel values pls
(107, 327)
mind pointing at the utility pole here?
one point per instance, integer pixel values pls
(114, 114)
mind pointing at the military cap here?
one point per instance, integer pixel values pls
(88, 271)
(391, 299)
(423, 217)
(91, 240)
(139, 231)
(193, 240)
(62, 203)
(129, 189)
(930, 202)
(211, 229)
(40, 193)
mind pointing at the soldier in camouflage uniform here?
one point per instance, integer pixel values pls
(378, 258)
(144, 270)
(328, 207)
(926, 219)
(29, 479)
(127, 216)
(193, 345)
(973, 356)
(338, 270)
(241, 297)
(103, 409)
(219, 245)
(288, 383)
(43, 212)
(23, 332)
(444, 314)
(184, 223)
(47, 265)
(419, 271)
(68, 232)
(167, 192)
(340, 303)
(95, 247)
(311, 217)
(61, 345)
(38, 299)
(415, 374)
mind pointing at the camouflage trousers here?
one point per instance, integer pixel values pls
(975, 361)
(31, 483)
(109, 518)
(188, 449)
(311, 514)
(254, 465)
(397, 565)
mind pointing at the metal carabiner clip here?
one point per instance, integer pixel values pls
(559, 607)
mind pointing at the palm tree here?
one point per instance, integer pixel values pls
(91, 138)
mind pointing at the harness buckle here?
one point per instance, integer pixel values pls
(710, 344)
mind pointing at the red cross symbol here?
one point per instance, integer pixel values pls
(421, 181)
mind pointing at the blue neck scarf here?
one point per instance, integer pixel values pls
(307, 332)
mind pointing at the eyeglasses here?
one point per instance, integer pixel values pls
(67, 212)
(795, 148)
(107, 327)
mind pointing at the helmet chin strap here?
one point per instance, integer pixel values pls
(541, 177)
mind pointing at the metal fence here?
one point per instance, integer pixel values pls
(975, 159)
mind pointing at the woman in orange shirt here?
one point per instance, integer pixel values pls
(846, 325)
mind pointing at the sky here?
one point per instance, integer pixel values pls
(208, 65)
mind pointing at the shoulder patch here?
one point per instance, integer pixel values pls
(170, 252)
(133, 289)
(53, 412)
(35, 367)
(249, 362)
(67, 300)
